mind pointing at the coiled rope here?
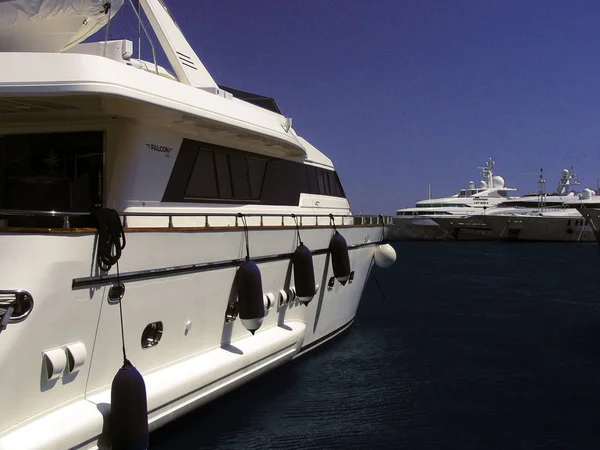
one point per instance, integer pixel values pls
(111, 237)
(111, 242)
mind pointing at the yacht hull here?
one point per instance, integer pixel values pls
(416, 229)
(181, 278)
(539, 228)
(465, 228)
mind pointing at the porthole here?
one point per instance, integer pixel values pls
(152, 334)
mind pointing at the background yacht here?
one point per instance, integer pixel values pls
(562, 223)
(418, 223)
(474, 227)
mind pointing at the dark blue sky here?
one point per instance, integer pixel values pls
(399, 93)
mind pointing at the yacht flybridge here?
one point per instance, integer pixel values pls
(164, 239)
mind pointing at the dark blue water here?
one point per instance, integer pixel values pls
(476, 346)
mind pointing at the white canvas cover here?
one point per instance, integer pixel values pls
(51, 25)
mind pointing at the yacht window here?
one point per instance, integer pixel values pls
(337, 189)
(210, 173)
(284, 181)
(223, 175)
(324, 182)
(203, 182)
(326, 174)
(320, 181)
(240, 177)
(51, 172)
(256, 171)
(311, 176)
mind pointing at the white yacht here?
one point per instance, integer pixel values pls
(220, 244)
(559, 224)
(554, 217)
(418, 223)
(474, 227)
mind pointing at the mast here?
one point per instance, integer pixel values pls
(567, 179)
(487, 172)
(186, 64)
(541, 192)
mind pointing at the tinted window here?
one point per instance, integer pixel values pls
(213, 173)
(256, 171)
(223, 175)
(51, 171)
(320, 181)
(326, 175)
(311, 176)
(324, 182)
(336, 187)
(240, 177)
(203, 180)
(284, 181)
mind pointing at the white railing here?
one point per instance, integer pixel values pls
(211, 219)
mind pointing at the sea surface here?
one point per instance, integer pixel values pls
(463, 345)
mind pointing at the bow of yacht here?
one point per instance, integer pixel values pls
(164, 239)
(591, 213)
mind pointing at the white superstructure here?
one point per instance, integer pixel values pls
(557, 222)
(202, 178)
(490, 191)
(418, 223)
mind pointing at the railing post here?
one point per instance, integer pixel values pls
(124, 221)
(282, 220)
(236, 220)
(261, 220)
(170, 221)
(66, 223)
(206, 221)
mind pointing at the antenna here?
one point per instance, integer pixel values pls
(487, 172)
